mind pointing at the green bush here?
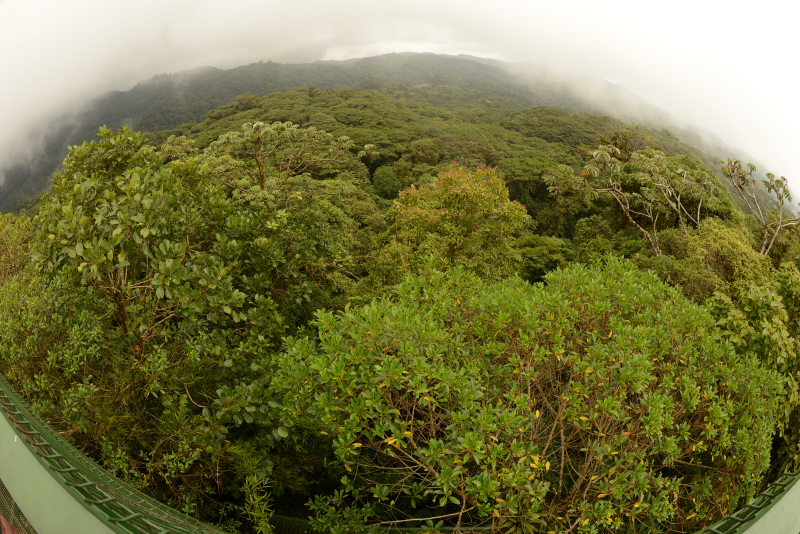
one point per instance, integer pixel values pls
(601, 401)
(18, 284)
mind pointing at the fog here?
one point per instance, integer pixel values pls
(726, 67)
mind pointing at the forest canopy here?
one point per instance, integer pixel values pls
(372, 311)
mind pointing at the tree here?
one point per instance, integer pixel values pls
(144, 333)
(765, 323)
(649, 187)
(464, 218)
(714, 257)
(247, 101)
(261, 158)
(629, 140)
(386, 182)
(540, 255)
(167, 278)
(771, 222)
(600, 401)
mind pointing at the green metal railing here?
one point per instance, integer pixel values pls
(61, 490)
(776, 510)
(12, 513)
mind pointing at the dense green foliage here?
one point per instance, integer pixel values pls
(765, 322)
(600, 400)
(320, 302)
(652, 191)
(161, 288)
(464, 218)
(714, 257)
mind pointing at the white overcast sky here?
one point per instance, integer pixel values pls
(730, 67)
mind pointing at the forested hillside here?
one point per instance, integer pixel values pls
(412, 306)
(169, 100)
(460, 84)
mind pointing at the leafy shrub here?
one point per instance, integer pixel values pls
(18, 282)
(601, 401)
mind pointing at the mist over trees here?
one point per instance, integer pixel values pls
(170, 100)
(426, 305)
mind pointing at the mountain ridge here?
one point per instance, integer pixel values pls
(167, 101)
